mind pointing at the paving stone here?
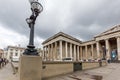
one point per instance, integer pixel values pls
(110, 72)
(6, 73)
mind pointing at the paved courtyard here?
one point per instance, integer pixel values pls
(6, 73)
(110, 72)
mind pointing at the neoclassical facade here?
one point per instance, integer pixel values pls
(13, 52)
(104, 46)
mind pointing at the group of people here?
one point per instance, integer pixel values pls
(3, 62)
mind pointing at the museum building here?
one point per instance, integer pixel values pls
(103, 46)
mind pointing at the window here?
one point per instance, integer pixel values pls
(21, 50)
(11, 49)
(11, 54)
(16, 54)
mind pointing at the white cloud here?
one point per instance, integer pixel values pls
(9, 37)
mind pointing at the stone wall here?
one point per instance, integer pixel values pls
(56, 68)
(51, 69)
(89, 65)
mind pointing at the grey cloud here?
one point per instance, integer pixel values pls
(81, 19)
(13, 14)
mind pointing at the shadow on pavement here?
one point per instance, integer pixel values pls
(97, 77)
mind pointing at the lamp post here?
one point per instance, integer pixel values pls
(36, 9)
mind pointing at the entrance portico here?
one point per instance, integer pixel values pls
(62, 46)
(111, 41)
(106, 47)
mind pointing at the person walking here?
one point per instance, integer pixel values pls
(0, 62)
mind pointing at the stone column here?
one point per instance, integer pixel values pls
(86, 55)
(107, 49)
(55, 50)
(46, 53)
(74, 52)
(43, 53)
(118, 47)
(78, 53)
(49, 52)
(66, 49)
(81, 56)
(71, 50)
(52, 52)
(92, 51)
(98, 49)
(60, 49)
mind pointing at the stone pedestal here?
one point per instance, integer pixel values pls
(30, 67)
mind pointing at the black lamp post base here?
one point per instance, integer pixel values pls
(31, 51)
(31, 46)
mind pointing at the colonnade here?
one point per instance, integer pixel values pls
(63, 49)
(89, 52)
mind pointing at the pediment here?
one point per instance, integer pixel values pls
(61, 34)
(112, 30)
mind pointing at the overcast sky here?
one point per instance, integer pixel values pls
(82, 19)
